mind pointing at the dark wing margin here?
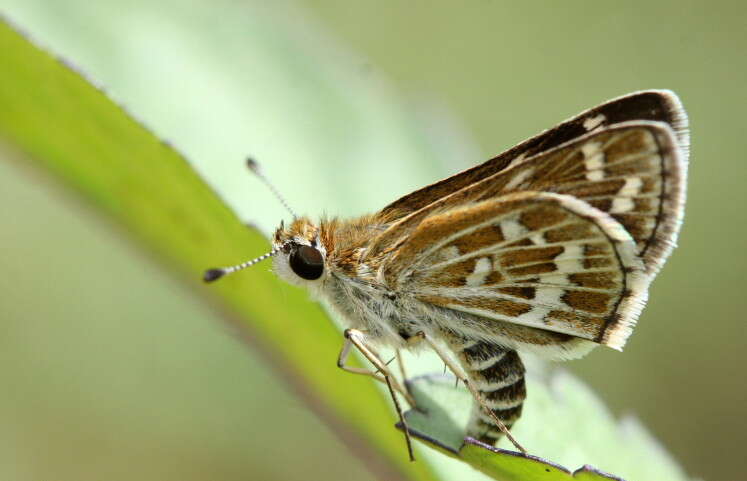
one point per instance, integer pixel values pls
(649, 105)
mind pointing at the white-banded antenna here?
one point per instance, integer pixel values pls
(218, 272)
(254, 167)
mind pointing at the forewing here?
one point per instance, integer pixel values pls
(633, 171)
(542, 260)
(651, 105)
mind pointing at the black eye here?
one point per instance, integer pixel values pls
(307, 262)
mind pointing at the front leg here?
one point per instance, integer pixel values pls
(354, 337)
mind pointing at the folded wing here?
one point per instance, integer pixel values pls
(542, 260)
(649, 105)
(633, 171)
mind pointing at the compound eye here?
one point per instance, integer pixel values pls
(307, 262)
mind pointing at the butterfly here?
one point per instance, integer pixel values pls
(548, 248)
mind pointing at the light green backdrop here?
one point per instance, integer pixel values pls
(116, 362)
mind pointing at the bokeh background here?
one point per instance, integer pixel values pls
(110, 370)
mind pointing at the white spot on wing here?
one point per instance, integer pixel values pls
(519, 158)
(621, 205)
(623, 202)
(556, 278)
(512, 229)
(546, 299)
(483, 267)
(538, 239)
(519, 178)
(631, 188)
(593, 160)
(593, 122)
(570, 259)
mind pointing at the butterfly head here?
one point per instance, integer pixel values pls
(299, 253)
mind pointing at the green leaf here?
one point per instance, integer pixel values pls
(437, 424)
(441, 426)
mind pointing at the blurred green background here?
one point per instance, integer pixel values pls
(111, 371)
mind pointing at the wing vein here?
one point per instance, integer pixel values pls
(501, 245)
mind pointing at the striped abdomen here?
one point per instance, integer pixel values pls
(498, 375)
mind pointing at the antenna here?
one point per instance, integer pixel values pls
(218, 272)
(254, 167)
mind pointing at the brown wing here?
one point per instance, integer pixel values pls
(652, 105)
(634, 171)
(541, 260)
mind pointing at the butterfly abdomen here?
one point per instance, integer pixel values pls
(498, 375)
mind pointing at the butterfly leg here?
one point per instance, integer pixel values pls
(379, 374)
(354, 337)
(460, 375)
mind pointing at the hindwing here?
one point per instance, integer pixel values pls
(541, 260)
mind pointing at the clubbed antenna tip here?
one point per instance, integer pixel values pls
(213, 275)
(252, 164)
(218, 272)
